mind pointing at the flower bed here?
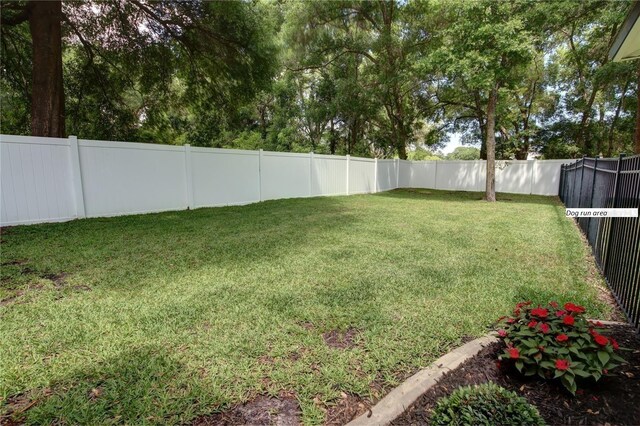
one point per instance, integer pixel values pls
(615, 399)
(572, 370)
(558, 343)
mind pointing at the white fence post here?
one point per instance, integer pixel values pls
(435, 179)
(375, 176)
(76, 173)
(348, 165)
(531, 166)
(397, 173)
(260, 173)
(311, 174)
(189, 175)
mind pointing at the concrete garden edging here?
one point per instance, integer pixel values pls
(399, 399)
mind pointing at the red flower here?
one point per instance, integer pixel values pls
(544, 327)
(532, 324)
(574, 308)
(554, 305)
(562, 337)
(560, 313)
(522, 304)
(568, 320)
(562, 364)
(502, 333)
(514, 353)
(600, 339)
(516, 312)
(540, 312)
(511, 320)
(614, 343)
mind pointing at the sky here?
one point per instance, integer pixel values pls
(454, 142)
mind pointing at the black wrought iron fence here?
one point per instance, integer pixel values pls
(610, 183)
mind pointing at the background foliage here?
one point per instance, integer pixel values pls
(380, 78)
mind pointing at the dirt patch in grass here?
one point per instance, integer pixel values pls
(17, 262)
(307, 325)
(95, 393)
(14, 407)
(9, 300)
(615, 399)
(341, 340)
(346, 409)
(59, 279)
(262, 411)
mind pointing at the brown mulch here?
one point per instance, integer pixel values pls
(346, 409)
(262, 411)
(614, 400)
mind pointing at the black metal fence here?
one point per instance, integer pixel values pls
(610, 183)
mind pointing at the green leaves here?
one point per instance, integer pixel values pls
(550, 346)
(604, 357)
(485, 404)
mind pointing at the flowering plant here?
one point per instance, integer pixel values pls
(557, 342)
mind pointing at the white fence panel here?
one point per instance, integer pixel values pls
(386, 175)
(362, 176)
(461, 175)
(328, 175)
(404, 174)
(221, 177)
(285, 175)
(50, 179)
(423, 174)
(124, 178)
(514, 176)
(35, 180)
(546, 176)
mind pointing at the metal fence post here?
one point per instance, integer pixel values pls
(615, 199)
(573, 187)
(593, 190)
(581, 180)
(561, 184)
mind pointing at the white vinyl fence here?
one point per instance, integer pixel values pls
(52, 179)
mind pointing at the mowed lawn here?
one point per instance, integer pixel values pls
(161, 318)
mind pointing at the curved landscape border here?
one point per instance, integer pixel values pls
(398, 400)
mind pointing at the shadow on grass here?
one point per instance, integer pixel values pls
(141, 386)
(466, 196)
(172, 243)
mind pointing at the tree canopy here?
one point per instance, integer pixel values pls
(378, 78)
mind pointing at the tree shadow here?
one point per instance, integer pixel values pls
(467, 196)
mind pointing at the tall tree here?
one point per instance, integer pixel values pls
(483, 49)
(221, 51)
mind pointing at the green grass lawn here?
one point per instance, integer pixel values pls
(174, 315)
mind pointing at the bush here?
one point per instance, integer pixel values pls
(486, 404)
(557, 343)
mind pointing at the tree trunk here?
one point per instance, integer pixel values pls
(490, 194)
(333, 141)
(615, 119)
(636, 147)
(47, 93)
